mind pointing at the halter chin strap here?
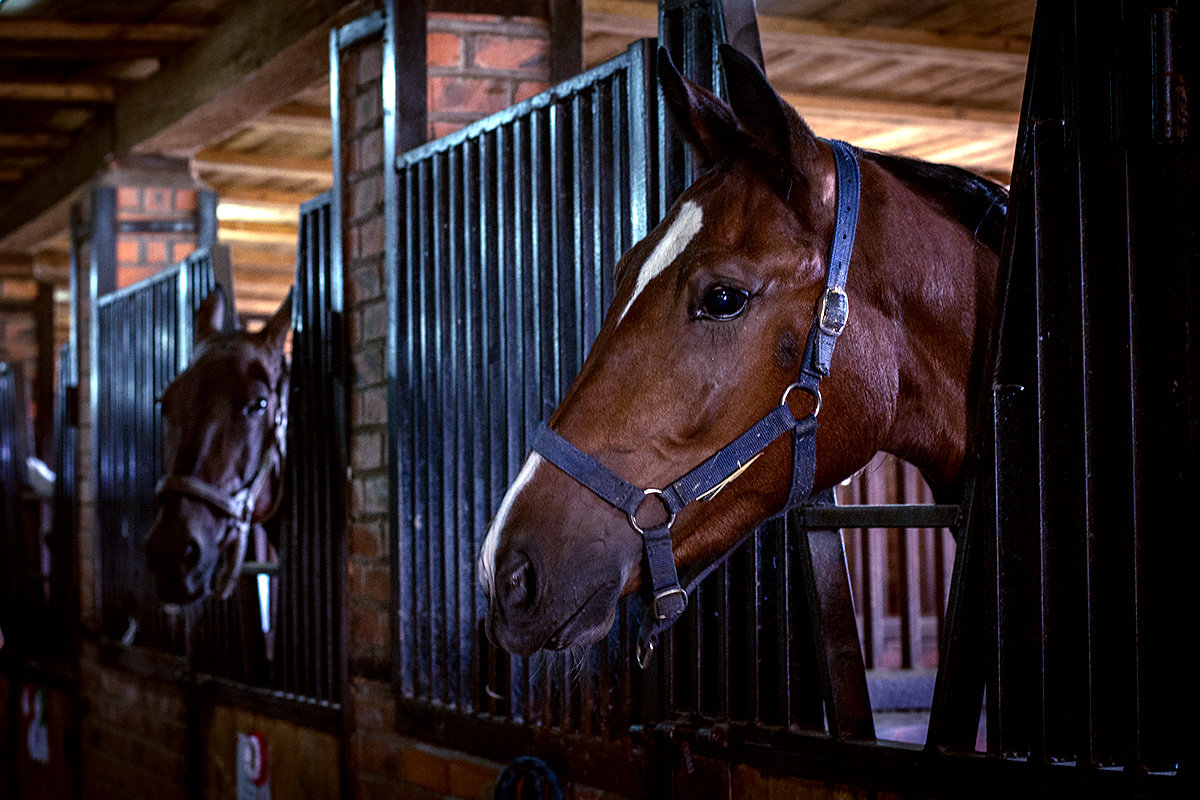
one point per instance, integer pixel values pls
(667, 598)
(238, 507)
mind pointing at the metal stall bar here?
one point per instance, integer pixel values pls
(142, 341)
(1091, 446)
(496, 314)
(307, 629)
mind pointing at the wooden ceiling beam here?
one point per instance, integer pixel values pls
(60, 92)
(45, 30)
(33, 141)
(297, 118)
(635, 19)
(255, 164)
(261, 51)
(272, 198)
(273, 259)
(15, 265)
(953, 119)
(256, 232)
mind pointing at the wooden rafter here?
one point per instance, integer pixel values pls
(296, 118)
(272, 198)
(32, 141)
(261, 51)
(257, 232)
(43, 30)
(636, 19)
(61, 92)
(254, 164)
(955, 119)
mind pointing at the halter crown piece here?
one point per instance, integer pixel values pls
(667, 598)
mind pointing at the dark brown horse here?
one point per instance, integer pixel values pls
(708, 330)
(225, 421)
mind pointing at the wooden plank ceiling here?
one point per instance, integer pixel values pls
(937, 79)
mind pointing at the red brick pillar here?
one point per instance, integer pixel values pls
(156, 228)
(476, 64)
(482, 63)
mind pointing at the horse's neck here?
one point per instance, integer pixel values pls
(942, 283)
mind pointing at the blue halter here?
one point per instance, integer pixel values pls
(667, 598)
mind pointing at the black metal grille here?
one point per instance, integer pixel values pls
(144, 339)
(1070, 602)
(61, 612)
(145, 332)
(1079, 607)
(510, 229)
(19, 539)
(308, 643)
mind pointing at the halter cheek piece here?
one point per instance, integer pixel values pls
(237, 507)
(667, 598)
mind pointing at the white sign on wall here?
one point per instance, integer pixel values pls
(253, 767)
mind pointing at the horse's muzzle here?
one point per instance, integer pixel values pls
(524, 618)
(181, 561)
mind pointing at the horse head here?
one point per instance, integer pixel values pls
(706, 333)
(224, 426)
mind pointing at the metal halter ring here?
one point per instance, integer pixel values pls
(647, 493)
(815, 392)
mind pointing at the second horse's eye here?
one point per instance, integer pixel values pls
(256, 406)
(722, 302)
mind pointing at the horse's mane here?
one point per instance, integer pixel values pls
(979, 204)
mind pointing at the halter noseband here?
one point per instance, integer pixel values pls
(238, 507)
(667, 598)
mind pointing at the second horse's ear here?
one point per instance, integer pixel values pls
(275, 332)
(209, 319)
(703, 119)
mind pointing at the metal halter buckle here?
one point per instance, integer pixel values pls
(667, 593)
(835, 310)
(816, 393)
(659, 494)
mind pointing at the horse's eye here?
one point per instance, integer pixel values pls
(256, 406)
(722, 302)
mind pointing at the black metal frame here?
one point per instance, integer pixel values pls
(483, 214)
(1103, 137)
(142, 340)
(1074, 602)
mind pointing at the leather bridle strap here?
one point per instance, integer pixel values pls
(667, 598)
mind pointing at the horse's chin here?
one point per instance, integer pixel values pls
(574, 637)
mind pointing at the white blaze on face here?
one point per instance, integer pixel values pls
(685, 227)
(487, 557)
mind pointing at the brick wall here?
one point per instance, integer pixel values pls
(482, 63)
(143, 253)
(134, 734)
(478, 64)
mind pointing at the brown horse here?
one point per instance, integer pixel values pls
(225, 420)
(708, 330)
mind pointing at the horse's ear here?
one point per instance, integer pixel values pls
(275, 332)
(703, 119)
(209, 319)
(763, 114)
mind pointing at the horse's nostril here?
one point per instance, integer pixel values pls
(520, 588)
(191, 555)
